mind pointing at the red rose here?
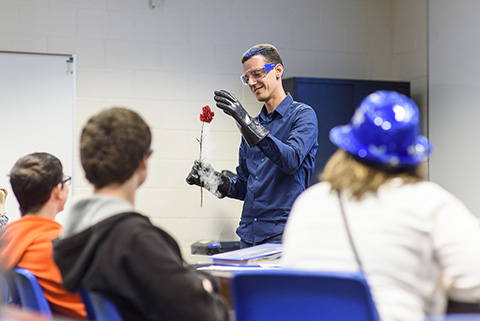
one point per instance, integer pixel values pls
(207, 114)
(205, 117)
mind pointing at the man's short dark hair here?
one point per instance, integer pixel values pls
(269, 52)
(112, 146)
(32, 178)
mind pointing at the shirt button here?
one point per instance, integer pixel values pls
(255, 219)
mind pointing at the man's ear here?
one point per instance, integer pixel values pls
(278, 71)
(142, 170)
(144, 162)
(57, 191)
(143, 166)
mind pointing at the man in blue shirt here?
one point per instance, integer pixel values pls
(276, 156)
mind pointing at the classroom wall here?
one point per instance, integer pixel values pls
(409, 50)
(454, 94)
(166, 62)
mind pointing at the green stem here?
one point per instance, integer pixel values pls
(200, 160)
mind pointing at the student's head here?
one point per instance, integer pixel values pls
(381, 141)
(34, 177)
(113, 145)
(262, 70)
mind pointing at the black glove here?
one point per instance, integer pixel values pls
(250, 128)
(203, 175)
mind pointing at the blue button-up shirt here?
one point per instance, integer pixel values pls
(272, 174)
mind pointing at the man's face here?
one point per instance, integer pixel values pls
(264, 86)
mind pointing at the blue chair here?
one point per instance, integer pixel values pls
(9, 293)
(4, 296)
(99, 307)
(29, 292)
(286, 295)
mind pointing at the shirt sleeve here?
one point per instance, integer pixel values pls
(456, 239)
(289, 156)
(239, 182)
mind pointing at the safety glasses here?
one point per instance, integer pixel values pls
(67, 181)
(256, 73)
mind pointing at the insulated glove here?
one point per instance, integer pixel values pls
(203, 175)
(250, 128)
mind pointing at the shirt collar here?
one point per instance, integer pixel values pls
(281, 109)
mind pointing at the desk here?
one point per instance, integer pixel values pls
(456, 317)
(462, 307)
(225, 273)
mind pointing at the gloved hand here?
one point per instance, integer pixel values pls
(203, 175)
(250, 128)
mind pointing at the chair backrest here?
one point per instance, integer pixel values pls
(4, 297)
(99, 307)
(263, 295)
(9, 293)
(30, 293)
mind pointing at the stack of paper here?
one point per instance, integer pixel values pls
(251, 255)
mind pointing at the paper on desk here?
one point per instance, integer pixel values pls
(233, 268)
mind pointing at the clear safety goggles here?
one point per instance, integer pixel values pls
(256, 73)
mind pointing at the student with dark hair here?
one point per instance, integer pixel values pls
(109, 247)
(375, 211)
(277, 152)
(41, 189)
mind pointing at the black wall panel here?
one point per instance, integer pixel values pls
(334, 101)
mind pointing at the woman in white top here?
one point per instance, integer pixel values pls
(417, 243)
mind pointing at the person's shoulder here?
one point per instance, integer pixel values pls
(130, 219)
(120, 225)
(419, 192)
(424, 187)
(315, 191)
(136, 224)
(301, 105)
(300, 108)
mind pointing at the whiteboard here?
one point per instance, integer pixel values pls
(37, 104)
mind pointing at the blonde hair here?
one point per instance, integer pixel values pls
(344, 172)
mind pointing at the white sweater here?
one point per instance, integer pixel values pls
(416, 242)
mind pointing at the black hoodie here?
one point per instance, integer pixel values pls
(140, 268)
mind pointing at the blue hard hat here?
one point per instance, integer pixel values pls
(385, 129)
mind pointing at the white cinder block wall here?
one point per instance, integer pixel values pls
(409, 60)
(166, 62)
